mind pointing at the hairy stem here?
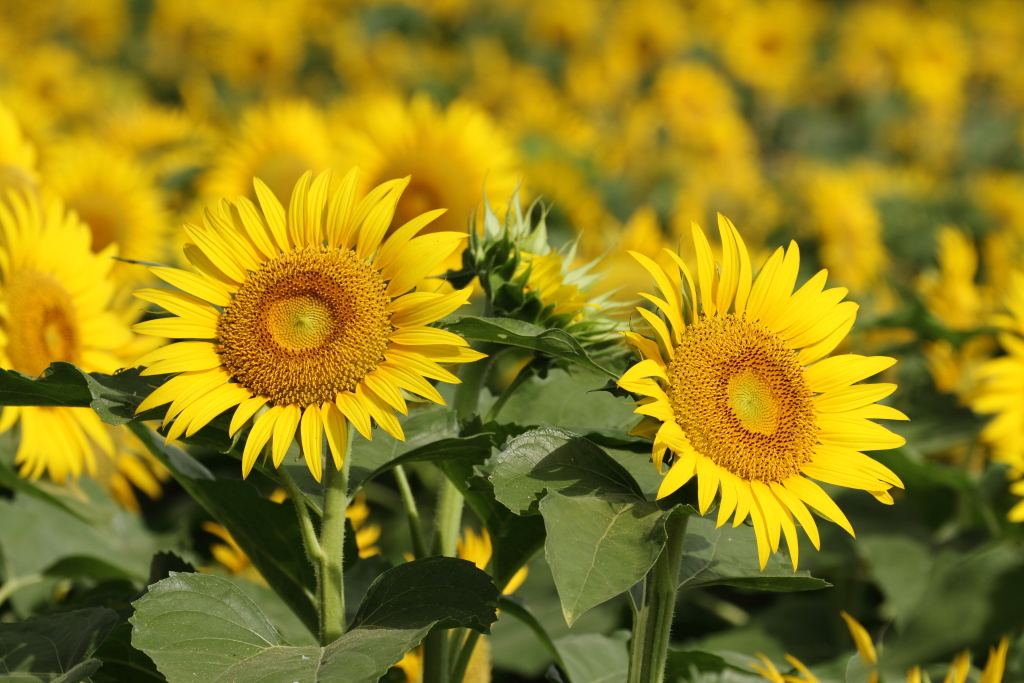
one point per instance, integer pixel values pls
(653, 626)
(314, 553)
(332, 540)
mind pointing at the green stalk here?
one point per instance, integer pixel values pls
(332, 540)
(419, 547)
(314, 553)
(448, 519)
(521, 378)
(459, 668)
(653, 626)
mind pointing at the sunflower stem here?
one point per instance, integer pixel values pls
(419, 547)
(332, 540)
(462, 663)
(314, 553)
(653, 626)
(521, 378)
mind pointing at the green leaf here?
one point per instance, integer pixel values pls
(516, 540)
(728, 557)
(473, 450)
(681, 664)
(113, 397)
(77, 566)
(197, 627)
(10, 479)
(421, 429)
(553, 342)
(268, 532)
(556, 460)
(594, 658)
(44, 648)
(122, 662)
(598, 547)
(516, 607)
(443, 591)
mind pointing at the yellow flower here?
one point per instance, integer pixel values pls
(1001, 392)
(955, 371)
(115, 197)
(769, 44)
(17, 156)
(277, 142)
(451, 154)
(959, 668)
(367, 535)
(951, 295)
(231, 556)
(55, 307)
(842, 214)
(412, 666)
(872, 40)
(307, 313)
(743, 395)
(477, 549)
(260, 46)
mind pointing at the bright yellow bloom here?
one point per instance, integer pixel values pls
(55, 307)
(115, 196)
(451, 154)
(305, 320)
(952, 295)
(958, 670)
(277, 142)
(17, 156)
(1001, 392)
(738, 387)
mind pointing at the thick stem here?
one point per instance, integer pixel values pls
(435, 657)
(448, 519)
(332, 540)
(459, 668)
(653, 627)
(521, 378)
(419, 547)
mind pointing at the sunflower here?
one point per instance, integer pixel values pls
(276, 142)
(745, 398)
(115, 197)
(305, 315)
(958, 670)
(55, 296)
(17, 156)
(1000, 393)
(450, 154)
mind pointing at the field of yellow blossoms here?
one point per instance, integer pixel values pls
(458, 341)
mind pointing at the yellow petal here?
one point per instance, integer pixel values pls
(274, 213)
(284, 432)
(245, 410)
(258, 437)
(336, 429)
(839, 371)
(312, 431)
(422, 308)
(209, 289)
(339, 211)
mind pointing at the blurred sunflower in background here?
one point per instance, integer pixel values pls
(56, 296)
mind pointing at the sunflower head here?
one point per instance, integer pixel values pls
(736, 388)
(305, 319)
(525, 279)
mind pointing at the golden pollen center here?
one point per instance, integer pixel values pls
(306, 326)
(42, 327)
(740, 396)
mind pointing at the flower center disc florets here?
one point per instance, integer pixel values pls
(42, 326)
(306, 326)
(740, 396)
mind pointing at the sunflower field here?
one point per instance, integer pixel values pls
(459, 341)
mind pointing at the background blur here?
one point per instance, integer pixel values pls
(884, 137)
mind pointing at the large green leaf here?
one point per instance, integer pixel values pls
(553, 342)
(200, 627)
(443, 591)
(594, 658)
(421, 428)
(54, 647)
(268, 532)
(122, 662)
(473, 450)
(598, 547)
(556, 460)
(728, 557)
(113, 397)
